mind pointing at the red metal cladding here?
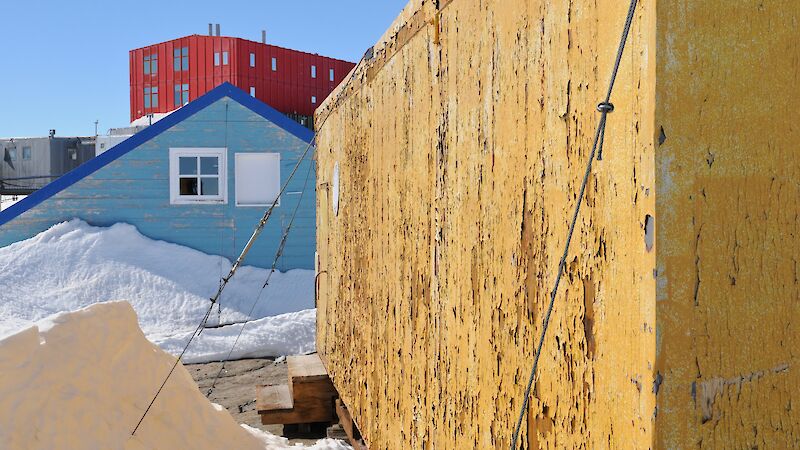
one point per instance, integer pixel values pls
(290, 88)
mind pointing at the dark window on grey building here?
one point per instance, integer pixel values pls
(180, 59)
(12, 154)
(26, 153)
(151, 97)
(181, 94)
(151, 64)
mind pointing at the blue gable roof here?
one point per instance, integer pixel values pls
(224, 90)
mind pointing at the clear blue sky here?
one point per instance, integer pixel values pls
(65, 63)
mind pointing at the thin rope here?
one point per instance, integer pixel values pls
(278, 254)
(177, 361)
(605, 107)
(250, 242)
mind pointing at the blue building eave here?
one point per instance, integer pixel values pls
(224, 90)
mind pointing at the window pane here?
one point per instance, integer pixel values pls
(224, 58)
(185, 63)
(252, 59)
(274, 64)
(187, 165)
(155, 100)
(146, 99)
(154, 90)
(146, 91)
(252, 91)
(153, 66)
(188, 186)
(185, 97)
(209, 186)
(331, 75)
(209, 165)
(26, 153)
(185, 51)
(216, 58)
(313, 71)
(176, 52)
(177, 66)
(12, 153)
(146, 66)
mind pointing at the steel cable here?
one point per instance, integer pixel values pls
(248, 245)
(597, 148)
(278, 254)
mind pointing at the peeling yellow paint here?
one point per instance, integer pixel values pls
(727, 223)
(461, 145)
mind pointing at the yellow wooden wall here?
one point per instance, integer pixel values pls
(461, 145)
(727, 203)
(461, 153)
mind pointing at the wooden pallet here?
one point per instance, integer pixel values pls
(307, 398)
(349, 426)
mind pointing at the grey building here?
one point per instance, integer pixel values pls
(103, 143)
(28, 164)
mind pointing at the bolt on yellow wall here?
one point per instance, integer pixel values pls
(448, 168)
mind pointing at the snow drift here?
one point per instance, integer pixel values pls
(81, 380)
(73, 265)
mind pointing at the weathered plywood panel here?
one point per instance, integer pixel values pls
(461, 149)
(727, 224)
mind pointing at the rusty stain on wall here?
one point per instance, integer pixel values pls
(461, 145)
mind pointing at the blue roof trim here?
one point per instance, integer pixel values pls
(98, 162)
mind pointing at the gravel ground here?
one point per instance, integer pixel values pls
(236, 389)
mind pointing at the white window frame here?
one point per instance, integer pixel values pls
(174, 185)
(274, 64)
(240, 157)
(313, 71)
(252, 91)
(252, 59)
(313, 99)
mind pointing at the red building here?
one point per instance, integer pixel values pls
(167, 75)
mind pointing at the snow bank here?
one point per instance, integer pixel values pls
(276, 442)
(287, 334)
(73, 265)
(81, 380)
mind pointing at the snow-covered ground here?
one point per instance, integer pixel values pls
(7, 200)
(82, 380)
(73, 265)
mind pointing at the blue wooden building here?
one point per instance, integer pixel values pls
(201, 177)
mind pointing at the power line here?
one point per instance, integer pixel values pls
(604, 108)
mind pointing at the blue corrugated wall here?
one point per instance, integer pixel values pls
(135, 189)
